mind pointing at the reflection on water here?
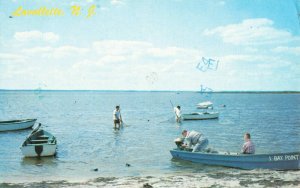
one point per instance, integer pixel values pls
(117, 135)
(42, 161)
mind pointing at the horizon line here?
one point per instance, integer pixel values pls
(101, 90)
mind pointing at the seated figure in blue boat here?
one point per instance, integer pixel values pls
(194, 139)
(248, 147)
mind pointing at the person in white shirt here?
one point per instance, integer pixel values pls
(194, 140)
(117, 117)
(177, 114)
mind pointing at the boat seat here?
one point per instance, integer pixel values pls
(45, 140)
(43, 136)
(38, 141)
(40, 144)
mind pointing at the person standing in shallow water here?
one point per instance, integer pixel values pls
(117, 117)
(248, 147)
(177, 114)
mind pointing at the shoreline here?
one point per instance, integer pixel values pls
(233, 178)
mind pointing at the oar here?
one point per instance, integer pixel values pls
(172, 104)
(171, 119)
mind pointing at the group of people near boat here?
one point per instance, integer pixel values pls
(198, 142)
(192, 139)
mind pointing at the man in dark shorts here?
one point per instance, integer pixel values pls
(117, 117)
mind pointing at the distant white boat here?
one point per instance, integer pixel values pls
(13, 125)
(39, 143)
(205, 105)
(200, 115)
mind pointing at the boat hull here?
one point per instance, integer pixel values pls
(280, 161)
(16, 125)
(46, 150)
(200, 116)
(205, 105)
(39, 143)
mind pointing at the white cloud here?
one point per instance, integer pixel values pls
(136, 50)
(261, 61)
(81, 3)
(56, 52)
(67, 50)
(38, 50)
(252, 32)
(11, 57)
(27, 36)
(104, 9)
(115, 47)
(133, 61)
(290, 50)
(117, 2)
(221, 3)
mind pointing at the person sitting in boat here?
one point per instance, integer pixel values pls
(194, 139)
(177, 114)
(117, 117)
(248, 147)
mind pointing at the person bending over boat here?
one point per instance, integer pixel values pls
(248, 147)
(177, 114)
(117, 117)
(194, 139)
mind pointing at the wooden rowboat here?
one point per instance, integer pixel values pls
(200, 115)
(13, 125)
(39, 143)
(277, 161)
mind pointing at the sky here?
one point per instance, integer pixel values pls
(254, 45)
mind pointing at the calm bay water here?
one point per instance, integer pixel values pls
(82, 123)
